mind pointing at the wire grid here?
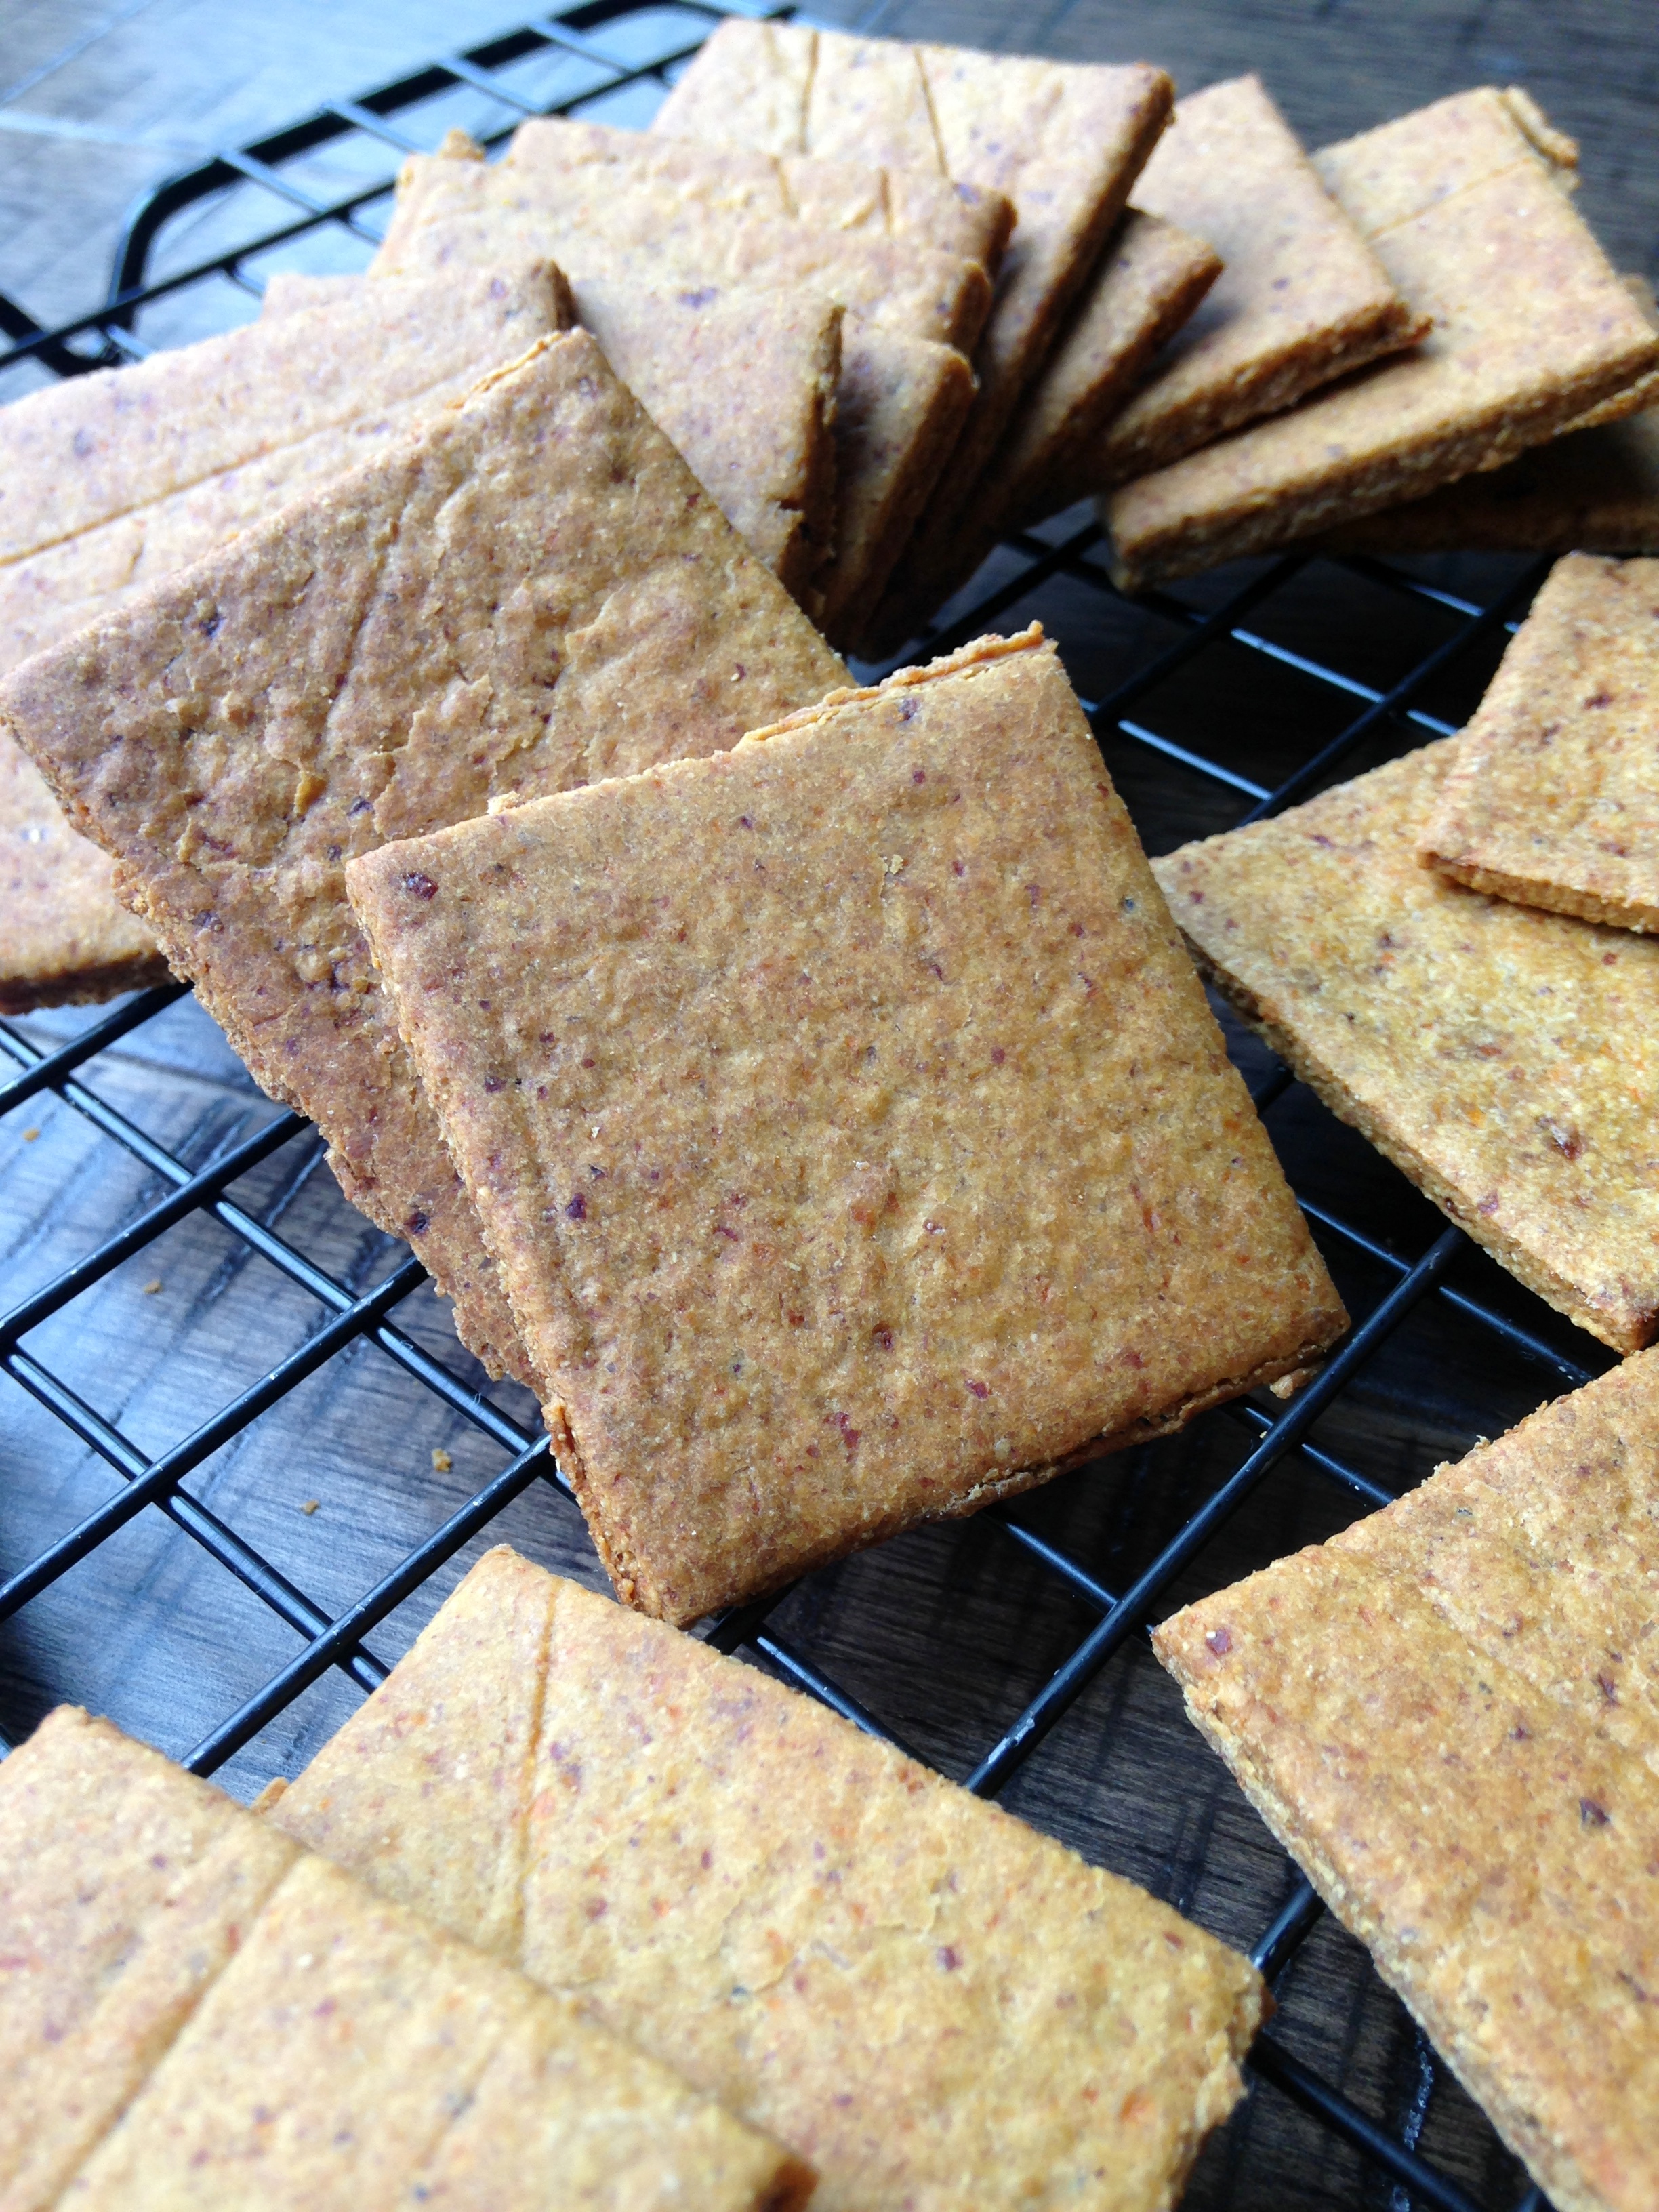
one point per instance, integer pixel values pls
(340, 1642)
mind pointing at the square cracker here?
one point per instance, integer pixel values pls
(1064, 142)
(849, 1129)
(932, 2001)
(531, 591)
(197, 2013)
(1501, 1058)
(1463, 204)
(905, 387)
(114, 479)
(1552, 797)
(744, 385)
(1151, 280)
(1449, 1715)
(1302, 297)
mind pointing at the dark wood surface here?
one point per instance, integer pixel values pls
(945, 1633)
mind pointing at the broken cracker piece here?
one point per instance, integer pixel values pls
(1553, 796)
(1501, 1058)
(929, 1999)
(530, 593)
(1448, 1715)
(888, 986)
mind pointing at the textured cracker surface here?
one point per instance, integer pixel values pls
(531, 592)
(1449, 1714)
(1063, 140)
(110, 481)
(1148, 283)
(744, 386)
(847, 1123)
(936, 2005)
(1552, 797)
(127, 1886)
(1596, 491)
(351, 2053)
(1503, 1058)
(1466, 213)
(1301, 299)
(193, 2013)
(905, 387)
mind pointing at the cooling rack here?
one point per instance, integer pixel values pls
(129, 1141)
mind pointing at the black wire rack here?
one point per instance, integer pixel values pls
(613, 58)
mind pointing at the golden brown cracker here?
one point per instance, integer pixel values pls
(1301, 298)
(1552, 797)
(531, 591)
(882, 1155)
(114, 479)
(1467, 218)
(1501, 1057)
(933, 2002)
(1448, 1714)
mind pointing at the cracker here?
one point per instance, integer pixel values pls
(852, 195)
(904, 385)
(932, 2001)
(1501, 1057)
(127, 1884)
(1302, 299)
(1595, 490)
(198, 2013)
(744, 384)
(114, 479)
(1532, 328)
(1063, 140)
(869, 1047)
(531, 591)
(1552, 797)
(1449, 1714)
(1150, 279)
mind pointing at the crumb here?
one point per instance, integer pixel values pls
(310, 1505)
(152, 1286)
(29, 1135)
(441, 1462)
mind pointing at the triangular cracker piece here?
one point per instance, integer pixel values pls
(744, 384)
(1464, 206)
(1449, 1714)
(1501, 1057)
(847, 1123)
(199, 2016)
(115, 479)
(934, 2002)
(531, 592)
(1552, 797)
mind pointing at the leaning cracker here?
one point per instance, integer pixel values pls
(1553, 796)
(1501, 1057)
(198, 2015)
(744, 385)
(115, 479)
(870, 1046)
(934, 2003)
(1302, 297)
(1448, 1714)
(904, 388)
(530, 592)
(1462, 205)
(1150, 279)
(1063, 142)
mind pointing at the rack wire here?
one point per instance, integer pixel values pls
(587, 58)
